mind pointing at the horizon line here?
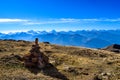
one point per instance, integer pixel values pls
(18, 31)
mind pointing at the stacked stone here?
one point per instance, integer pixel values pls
(35, 58)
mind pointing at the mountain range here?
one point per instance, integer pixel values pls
(83, 38)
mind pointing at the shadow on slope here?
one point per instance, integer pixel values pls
(49, 70)
(14, 61)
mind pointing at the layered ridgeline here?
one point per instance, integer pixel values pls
(67, 63)
(92, 39)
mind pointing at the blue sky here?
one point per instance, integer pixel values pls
(24, 15)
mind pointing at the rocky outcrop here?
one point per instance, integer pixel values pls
(113, 48)
(35, 58)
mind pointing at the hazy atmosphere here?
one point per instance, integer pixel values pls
(59, 15)
(59, 39)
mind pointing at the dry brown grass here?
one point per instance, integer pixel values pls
(73, 62)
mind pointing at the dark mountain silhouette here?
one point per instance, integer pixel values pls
(113, 48)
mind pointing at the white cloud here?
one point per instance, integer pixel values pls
(91, 20)
(52, 21)
(112, 20)
(69, 20)
(7, 20)
(12, 31)
(100, 20)
(55, 21)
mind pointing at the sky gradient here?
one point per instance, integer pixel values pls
(24, 15)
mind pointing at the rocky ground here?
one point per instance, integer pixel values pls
(66, 63)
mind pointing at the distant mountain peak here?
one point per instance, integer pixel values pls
(85, 38)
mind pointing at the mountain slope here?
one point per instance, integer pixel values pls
(82, 38)
(99, 43)
(72, 62)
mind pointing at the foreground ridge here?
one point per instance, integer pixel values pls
(73, 63)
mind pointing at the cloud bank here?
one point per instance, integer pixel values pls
(7, 20)
(55, 21)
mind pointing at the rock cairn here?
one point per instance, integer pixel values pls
(35, 58)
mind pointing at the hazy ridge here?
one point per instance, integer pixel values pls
(85, 38)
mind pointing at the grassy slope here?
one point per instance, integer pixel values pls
(73, 62)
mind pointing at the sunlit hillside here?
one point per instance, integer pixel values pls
(69, 63)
